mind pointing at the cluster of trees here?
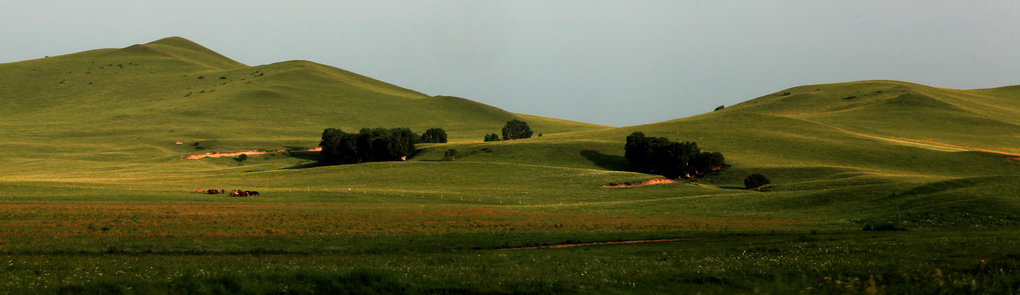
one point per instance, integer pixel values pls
(369, 145)
(659, 155)
(434, 135)
(514, 129)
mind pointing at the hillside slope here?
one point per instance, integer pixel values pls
(176, 90)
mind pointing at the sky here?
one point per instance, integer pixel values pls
(616, 63)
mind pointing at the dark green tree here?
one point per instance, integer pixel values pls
(516, 129)
(434, 135)
(492, 137)
(339, 147)
(755, 181)
(638, 151)
(709, 161)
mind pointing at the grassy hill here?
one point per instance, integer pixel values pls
(971, 119)
(175, 90)
(92, 175)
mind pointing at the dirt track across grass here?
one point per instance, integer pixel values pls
(600, 244)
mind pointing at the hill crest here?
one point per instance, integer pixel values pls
(187, 50)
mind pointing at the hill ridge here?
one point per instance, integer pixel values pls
(896, 111)
(190, 51)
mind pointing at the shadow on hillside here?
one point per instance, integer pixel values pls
(608, 162)
(308, 156)
(740, 187)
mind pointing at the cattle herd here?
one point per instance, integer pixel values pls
(233, 193)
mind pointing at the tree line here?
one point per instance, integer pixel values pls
(659, 155)
(514, 129)
(373, 145)
(368, 145)
(382, 144)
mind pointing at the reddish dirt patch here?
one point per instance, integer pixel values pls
(252, 152)
(653, 181)
(1014, 160)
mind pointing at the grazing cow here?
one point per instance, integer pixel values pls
(199, 191)
(253, 193)
(212, 191)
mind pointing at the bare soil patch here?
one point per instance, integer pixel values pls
(251, 152)
(653, 181)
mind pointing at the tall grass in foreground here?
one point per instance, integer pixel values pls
(777, 263)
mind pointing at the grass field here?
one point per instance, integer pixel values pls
(95, 196)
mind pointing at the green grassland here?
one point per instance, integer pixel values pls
(95, 196)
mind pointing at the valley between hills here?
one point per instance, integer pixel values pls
(97, 193)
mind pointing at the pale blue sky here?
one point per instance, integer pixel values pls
(616, 63)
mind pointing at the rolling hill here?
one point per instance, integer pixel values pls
(96, 196)
(113, 116)
(897, 152)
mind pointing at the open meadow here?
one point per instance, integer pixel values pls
(97, 196)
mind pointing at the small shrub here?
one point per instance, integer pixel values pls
(450, 155)
(883, 227)
(240, 159)
(755, 181)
